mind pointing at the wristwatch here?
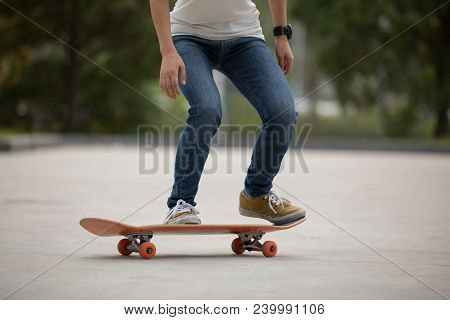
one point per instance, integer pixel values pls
(283, 31)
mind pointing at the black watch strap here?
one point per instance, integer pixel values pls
(283, 31)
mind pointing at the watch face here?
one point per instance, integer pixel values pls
(280, 30)
(289, 31)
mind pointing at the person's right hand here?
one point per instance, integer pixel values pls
(172, 67)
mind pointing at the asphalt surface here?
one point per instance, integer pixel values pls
(378, 227)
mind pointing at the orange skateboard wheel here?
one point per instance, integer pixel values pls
(236, 246)
(269, 249)
(122, 247)
(147, 250)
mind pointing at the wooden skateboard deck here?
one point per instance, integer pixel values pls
(138, 237)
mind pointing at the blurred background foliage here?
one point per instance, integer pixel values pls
(401, 90)
(407, 79)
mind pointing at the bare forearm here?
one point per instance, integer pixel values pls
(278, 8)
(160, 15)
(172, 66)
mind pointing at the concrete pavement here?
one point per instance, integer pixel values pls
(378, 227)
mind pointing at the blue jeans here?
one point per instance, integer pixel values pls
(249, 64)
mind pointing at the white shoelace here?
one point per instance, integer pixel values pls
(181, 207)
(274, 199)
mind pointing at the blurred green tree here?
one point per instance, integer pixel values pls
(45, 85)
(412, 70)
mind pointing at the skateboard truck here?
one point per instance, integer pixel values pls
(139, 243)
(250, 242)
(140, 237)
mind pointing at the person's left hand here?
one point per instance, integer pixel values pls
(284, 54)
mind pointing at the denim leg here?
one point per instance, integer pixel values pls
(204, 118)
(251, 67)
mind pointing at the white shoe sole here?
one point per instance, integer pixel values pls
(186, 220)
(290, 218)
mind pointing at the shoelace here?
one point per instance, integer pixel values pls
(274, 199)
(180, 207)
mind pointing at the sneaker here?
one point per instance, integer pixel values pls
(270, 207)
(183, 213)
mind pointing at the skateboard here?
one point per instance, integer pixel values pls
(138, 239)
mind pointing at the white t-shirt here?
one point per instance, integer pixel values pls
(216, 19)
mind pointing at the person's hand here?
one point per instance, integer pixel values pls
(284, 54)
(172, 67)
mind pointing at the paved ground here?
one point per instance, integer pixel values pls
(378, 228)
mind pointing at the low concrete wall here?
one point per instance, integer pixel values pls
(31, 141)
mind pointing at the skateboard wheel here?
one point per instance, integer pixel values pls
(147, 250)
(236, 246)
(122, 247)
(269, 249)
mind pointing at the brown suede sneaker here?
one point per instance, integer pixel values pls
(270, 207)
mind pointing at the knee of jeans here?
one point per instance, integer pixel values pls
(283, 116)
(210, 119)
(207, 114)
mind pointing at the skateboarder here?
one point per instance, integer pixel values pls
(197, 37)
